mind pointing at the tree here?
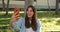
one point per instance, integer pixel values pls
(7, 7)
(57, 6)
(48, 5)
(28, 2)
(3, 5)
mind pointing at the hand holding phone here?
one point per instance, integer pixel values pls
(16, 13)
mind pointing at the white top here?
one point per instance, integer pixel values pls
(29, 30)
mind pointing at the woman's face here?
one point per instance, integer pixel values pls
(30, 12)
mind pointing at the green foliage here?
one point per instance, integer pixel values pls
(47, 17)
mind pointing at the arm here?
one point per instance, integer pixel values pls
(17, 24)
(38, 26)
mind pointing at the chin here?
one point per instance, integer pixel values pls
(29, 16)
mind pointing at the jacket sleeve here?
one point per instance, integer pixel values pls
(38, 26)
(17, 24)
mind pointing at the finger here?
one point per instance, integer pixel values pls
(17, 18)
(17, 12)
(17, 15)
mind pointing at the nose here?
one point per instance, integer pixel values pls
(29, 11)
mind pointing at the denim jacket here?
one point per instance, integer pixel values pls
(20, 25)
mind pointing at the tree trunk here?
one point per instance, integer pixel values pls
(27, 3)
(3, 3)
(48, 5)
(7, 7)
(57, 6)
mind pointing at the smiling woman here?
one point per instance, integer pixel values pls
(29, 23)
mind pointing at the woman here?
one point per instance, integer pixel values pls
(27, 24)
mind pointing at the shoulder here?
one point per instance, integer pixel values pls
(38, 25)
(38, 21)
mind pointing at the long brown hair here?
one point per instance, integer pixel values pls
(33, 21)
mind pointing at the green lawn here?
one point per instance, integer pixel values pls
(50, 21)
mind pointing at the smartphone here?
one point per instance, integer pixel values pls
(16, 12)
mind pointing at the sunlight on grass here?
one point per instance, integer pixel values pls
(50, 26)
(50, 21)
(4, 18)
(10, 12)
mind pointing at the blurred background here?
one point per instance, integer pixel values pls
(48, 11)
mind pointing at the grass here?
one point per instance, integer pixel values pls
(50, 21)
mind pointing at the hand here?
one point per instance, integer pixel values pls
(16, 13)
(14, 17)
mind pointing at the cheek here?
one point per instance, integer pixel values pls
(27, 13)
(32, 13)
